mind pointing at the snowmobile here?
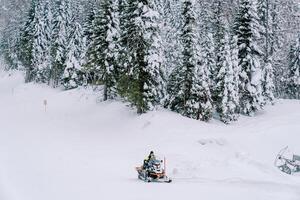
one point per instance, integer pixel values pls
(287, 164)
(154, 172)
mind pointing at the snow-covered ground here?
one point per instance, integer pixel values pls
(78, 149)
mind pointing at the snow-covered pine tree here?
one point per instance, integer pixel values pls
(200, 103)
(181, 79)
(293, 86)
(60, 37)
(219, 32)
(143, 44)
(250, 90)
(48, 16)
(90, 10)
(276, 49)
(41, 43)
(188, 86)
(105, 46)
(26, 42)
(226, 85)
(125, 57)
(73, 73)
(264, 8)
(209, 58)
(205, 29)
(171, 48)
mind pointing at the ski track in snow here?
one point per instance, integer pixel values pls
(79, 149)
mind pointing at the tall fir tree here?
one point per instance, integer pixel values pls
(264, 13)
(206, 18)
(200, 102)
(41, 43)
(60, 37)
(26, 42)
(188, 86)
(73, 74)
(141, 36)
(88, 30)
(104, 47)
(219, 32)
(226, 86)
(125, 57)
(171, 48)
(251, 99)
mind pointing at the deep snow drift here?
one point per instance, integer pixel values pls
(78, 149)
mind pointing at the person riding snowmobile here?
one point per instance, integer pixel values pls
(148, 162)
(152, 170)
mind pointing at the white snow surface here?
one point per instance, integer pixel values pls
(80, 149)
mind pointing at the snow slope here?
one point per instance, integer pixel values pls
(79, 149)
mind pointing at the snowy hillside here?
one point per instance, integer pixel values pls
(78, 149)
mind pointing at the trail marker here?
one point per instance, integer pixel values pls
(45, 104)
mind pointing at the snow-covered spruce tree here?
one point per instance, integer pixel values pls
(48, 16)
(188, 85)
(200, 103)
(219, 31)
(171, 47)
(264, 8)
(293, 86)
(26, 42)
(41, 43)
(251, 98)
(60, 37)
(226, 85)
(73, 73)
(141, 36)
(89, 29)
(277, 49)
(205, 29)
(104, 47)
(126, 57)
